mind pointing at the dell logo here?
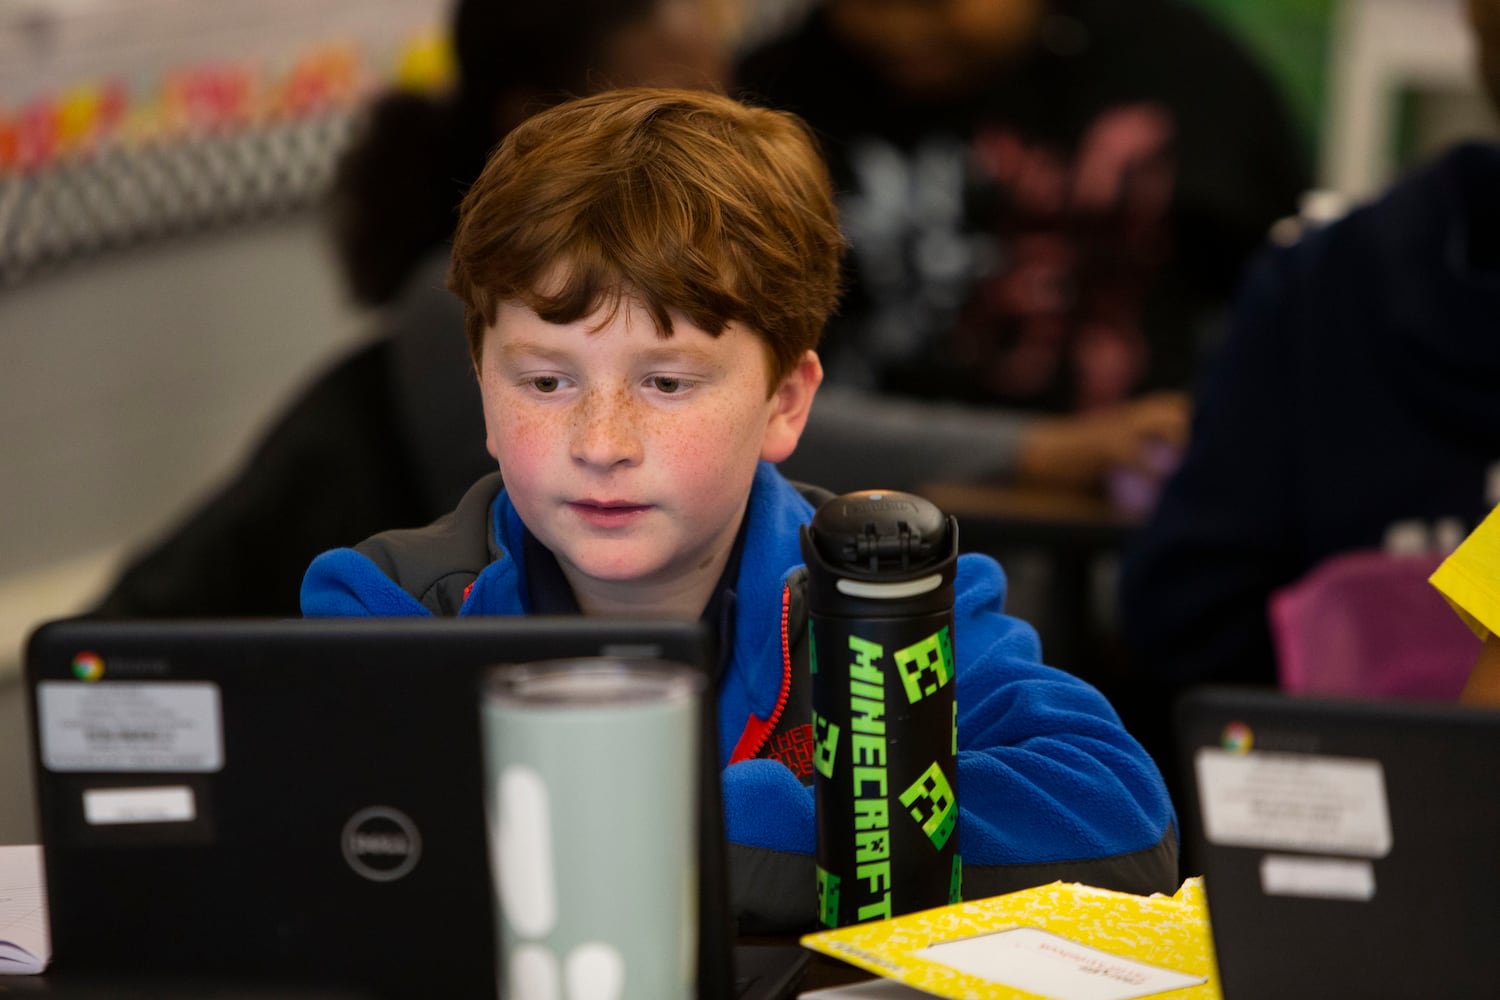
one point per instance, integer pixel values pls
(381, 843)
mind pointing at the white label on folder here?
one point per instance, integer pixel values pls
(1038, 961)
(1317, 878)
(1294, 801)
(109, 806)
(130, 726)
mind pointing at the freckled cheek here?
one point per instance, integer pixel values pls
(712, 439)
(524, 438)
(694, 452)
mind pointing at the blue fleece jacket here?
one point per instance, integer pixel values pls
(1050, 783)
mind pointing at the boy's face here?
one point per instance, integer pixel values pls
(628, 455)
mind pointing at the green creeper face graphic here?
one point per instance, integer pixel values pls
(925, 666)
(825, 745)
(828, 898)
(932, 804)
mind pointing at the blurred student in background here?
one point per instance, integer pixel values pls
(1048, 203)
(395, 199)
(1355, 404)
(392, 435)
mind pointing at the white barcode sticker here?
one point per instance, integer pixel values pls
(130, 726)
(1294, 802)
(1317, 878)
(113, 806)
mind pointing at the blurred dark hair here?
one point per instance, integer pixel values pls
(396, 190)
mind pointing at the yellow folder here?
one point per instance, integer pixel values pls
(1061, 941)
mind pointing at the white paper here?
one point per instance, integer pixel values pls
(1038, 961)
(1294, 801)
(24, 944)
(130, 726)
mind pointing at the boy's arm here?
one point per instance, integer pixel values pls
(344, 583)
(420, 571)
(1051, 786)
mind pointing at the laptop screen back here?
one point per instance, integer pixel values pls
(1348, 848)
(300, 799)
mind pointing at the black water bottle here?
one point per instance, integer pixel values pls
(880, 588)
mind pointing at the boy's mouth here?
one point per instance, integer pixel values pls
(607, 512)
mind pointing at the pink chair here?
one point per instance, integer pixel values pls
(1367, 623)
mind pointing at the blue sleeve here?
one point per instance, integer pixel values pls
(1196, 580)
(1046, 770)
(766, 805)
(343, 583)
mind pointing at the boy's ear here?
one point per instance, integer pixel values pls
(484, 399)
(791, 404)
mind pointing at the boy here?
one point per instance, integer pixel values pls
(645, 275)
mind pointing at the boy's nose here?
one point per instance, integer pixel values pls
(605, 431)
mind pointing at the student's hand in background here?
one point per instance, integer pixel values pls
(1137, 442)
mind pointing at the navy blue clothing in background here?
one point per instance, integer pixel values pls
(1359, 389)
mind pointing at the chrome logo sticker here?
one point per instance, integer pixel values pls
(88, 666)
(1237, 738)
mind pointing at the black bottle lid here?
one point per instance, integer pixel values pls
(878, 537)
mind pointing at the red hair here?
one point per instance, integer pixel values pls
(686, 201)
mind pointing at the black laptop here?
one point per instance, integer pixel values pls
(298, 805)
(1348, 848)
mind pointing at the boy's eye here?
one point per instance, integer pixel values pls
(666, 383)
(543, 383)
